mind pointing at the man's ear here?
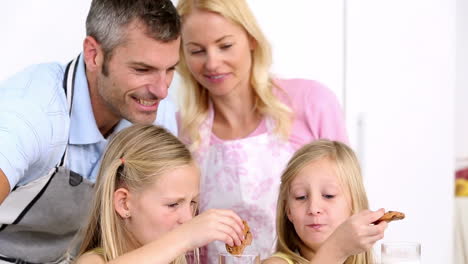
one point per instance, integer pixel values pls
(93, 54)
(122, 202)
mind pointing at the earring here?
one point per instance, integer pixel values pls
(127, 215)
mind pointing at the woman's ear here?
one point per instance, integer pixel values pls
(252, 43)
(122, 202)
(93, 54)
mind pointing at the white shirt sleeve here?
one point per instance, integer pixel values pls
(166, 116)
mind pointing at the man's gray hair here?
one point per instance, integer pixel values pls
(108, 19)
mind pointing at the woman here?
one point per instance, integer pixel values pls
(241, 124)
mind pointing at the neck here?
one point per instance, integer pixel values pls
(306, 252)
(235, 115)
(106, 119)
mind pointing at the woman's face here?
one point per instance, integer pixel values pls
(317, 203)
(217, 52)
(166, 204)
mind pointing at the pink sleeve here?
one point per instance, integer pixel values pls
(318, 113)
(326, 116)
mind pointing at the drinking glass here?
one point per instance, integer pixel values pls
(246, 258)
(401, 253)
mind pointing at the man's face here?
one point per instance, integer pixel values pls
(137, 75)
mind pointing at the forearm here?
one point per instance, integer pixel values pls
(328, 253)
(4, 186)
(161, 251)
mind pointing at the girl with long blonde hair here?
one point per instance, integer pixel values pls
(322, 214)
(146, 195)
(242, 124)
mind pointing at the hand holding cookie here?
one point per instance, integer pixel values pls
(238, 250)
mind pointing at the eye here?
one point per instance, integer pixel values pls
(328, 196)
(226, 46)
(194, 52)
(141, 70)
(173, 205)
(300, 198)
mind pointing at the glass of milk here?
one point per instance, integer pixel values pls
(226, 258)
(401, 253)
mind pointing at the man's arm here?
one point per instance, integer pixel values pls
(4, 186)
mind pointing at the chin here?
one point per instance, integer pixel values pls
(315, 242)
(142, 119)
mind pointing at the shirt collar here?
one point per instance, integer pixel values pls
(83, 127)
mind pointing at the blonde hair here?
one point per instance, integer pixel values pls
(349, 174)
(195, 99)
(134, 159)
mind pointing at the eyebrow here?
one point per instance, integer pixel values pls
(216, 41)
(142, 64)
(179, 200)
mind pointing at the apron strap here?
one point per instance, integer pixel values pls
(14, 260)
(22, 198)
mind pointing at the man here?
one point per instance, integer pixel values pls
(55, 121)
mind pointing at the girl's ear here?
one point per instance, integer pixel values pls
(122, 202)
(288, 213)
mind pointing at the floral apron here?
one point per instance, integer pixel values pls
(243, 175)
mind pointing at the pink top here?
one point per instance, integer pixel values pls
(317, 113)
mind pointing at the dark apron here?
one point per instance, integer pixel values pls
(39, 220)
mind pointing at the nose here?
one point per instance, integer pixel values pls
(212, 61)
(186, 214)
(315, 206)
(160, 84)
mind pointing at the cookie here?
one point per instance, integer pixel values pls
(237, 250)
(390, 216)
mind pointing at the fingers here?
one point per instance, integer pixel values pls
(370, 217)
(226, 225)
(374, 230)
(231, 214)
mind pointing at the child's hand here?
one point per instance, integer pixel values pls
(211, 225)
(357, 234)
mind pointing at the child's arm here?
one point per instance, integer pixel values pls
(90, 258)
(354, 236)
(222, 225)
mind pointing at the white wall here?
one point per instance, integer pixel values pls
(53, 30)
(40, 31)
(461, 93)
(400, 85)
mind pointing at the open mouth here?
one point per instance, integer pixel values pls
(216, 77)
(146, 105)
(146, 102)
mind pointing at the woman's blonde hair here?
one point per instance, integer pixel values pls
(195, 98)
(134, 159)
(349, 174)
